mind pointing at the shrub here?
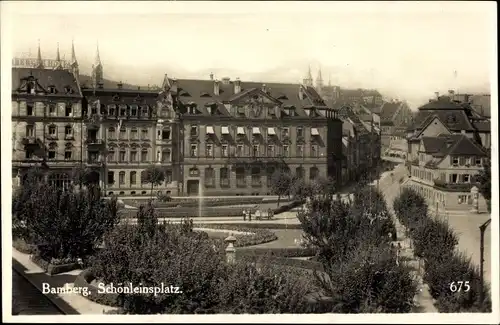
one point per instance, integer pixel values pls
(278, 252)
(61, 224)
(434, 240)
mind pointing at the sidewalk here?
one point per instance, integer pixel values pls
(69, 303)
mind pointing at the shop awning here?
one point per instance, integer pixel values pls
(314, 131)
(271, 131)
(225, 130)
(210, 130)
(240, 130)
(255, 130)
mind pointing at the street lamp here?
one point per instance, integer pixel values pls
(482, 229)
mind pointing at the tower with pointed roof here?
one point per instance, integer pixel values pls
(74, 62)
(319, 80)
(308, 80)
(39, 61)
(97, 73)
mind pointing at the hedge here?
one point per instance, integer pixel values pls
(84, 280)
(256, 225)
(435, 242)
(208, 202)
(277, 252)
(284, 261)
(53, 269)
(258, 236)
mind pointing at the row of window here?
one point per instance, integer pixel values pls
(134, 179)
(452, 178)
(123, 134)
(136, 156)
(52, 130)
(240, 130)
(125, 110)
(241, 150)
(52, 109)
(466, 161)
(241, 176)
(51, 154)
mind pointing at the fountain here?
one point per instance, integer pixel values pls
(200, 199)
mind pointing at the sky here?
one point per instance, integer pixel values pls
(405, 50)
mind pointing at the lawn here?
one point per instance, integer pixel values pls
(286, 239)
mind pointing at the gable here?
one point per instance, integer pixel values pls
(434, 128)
(256, 103)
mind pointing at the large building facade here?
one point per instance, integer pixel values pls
(236, 134)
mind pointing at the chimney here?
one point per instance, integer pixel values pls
(301, 93)
(120, 85)
(216, 87)
(451, 92)
(211, 76)
(263, 88)
(437, 94)
(100, 85)
(226, 80)
(237, 86)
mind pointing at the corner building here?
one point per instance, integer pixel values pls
(235, 134)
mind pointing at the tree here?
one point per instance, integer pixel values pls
(154, 175)
(63, 224)
(484, 180)
(281, 183)
(83, 176)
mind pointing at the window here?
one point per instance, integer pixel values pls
(300, 132)
(209, 177)
(468, 160)
(239, 150)
(240, 177)
(52, 109)
(466, 178)
(30, 130)
(314, 150)
(133, 156)
(256, 176)
(463, 199)
(123, 134)
(194, 150)
(270, 151)
(52, 154)
(68, 131)
(286, 151)
(145, 111)
(224, 177)
(269, 176)
(69, 110)
(168, 177)
(122, 156)
(299, 172)
(478, 161)
(52, 130)
(29, 109)
(224, 150)
(133, 110)
(123, 110)
(194, 172)
(313, 173)
(165, 155)
(454, 161)
(285, 132)
(454, 178)
(111, 155)
(134, 135)
(121, 178)
(144, 134)
(255, 150)
(194, 131)
(111, 133)
(271, 111)
(133, 178)
(111, 177)
(462, 161)
(209, 150)
(144, 155)
(29, 153)
(300, 150)
(165, 134)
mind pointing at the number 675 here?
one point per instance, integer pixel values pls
(457, 286)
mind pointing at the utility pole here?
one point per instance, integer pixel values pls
(482, 229)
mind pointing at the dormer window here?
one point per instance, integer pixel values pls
(29, 109)
(205, 94)
(31, 87)
(282, 97)
(145, 111)
(192, 110)
(291, 112)
(133, 110)
(52, 109)
(123, 110)
(116, 97)
(241, 111)
(68, 90)
(271, 111)
(69, 110)
(52, 89)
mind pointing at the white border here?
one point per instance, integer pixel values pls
(191, 7)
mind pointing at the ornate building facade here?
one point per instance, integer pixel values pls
(235, 134)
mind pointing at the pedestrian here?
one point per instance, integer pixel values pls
(244, 215)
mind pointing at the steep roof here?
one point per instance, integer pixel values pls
(455, 120)
(442, 103)
(60, 79)
(456, 145)
(481, 104)
(482, 125)
(388, 110)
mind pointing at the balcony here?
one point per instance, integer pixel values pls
(94, 162)
(94, 142)
(415, 162)
(453, 187)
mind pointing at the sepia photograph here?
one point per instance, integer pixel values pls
(253, 161)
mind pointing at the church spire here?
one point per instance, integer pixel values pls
(74, 62)
(59, 65)
(39, 61)
(97, 57)
(97, 71)
(308, 81)
(329, 80)
(319, 79)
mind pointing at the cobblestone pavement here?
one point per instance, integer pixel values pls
(27, 300)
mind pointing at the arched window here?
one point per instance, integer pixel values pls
(299, 172)
(111, 133)
(133, 178)
(134, 134)
(112, 110)
(209, 177)
(313, 173)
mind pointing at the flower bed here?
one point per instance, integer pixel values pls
(277, 252)
(253, 226)
(256, 236)
(85, 280)
(55, 266)
(207, 202)
(284, 261)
